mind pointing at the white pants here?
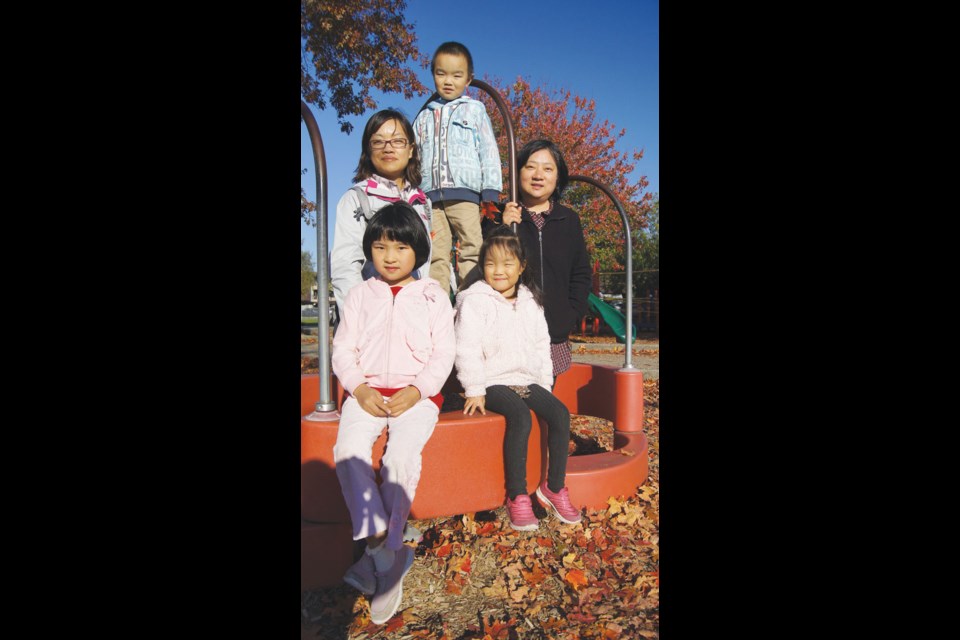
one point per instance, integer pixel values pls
(376, 509)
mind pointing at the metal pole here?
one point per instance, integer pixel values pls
(511, 143)
(325, 405)
(628, 338)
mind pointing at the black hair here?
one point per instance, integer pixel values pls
(505, 239)
(563, 175)
(365, 167)
(399, 222)
(453, 49)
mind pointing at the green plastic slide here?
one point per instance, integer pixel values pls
(609, 314)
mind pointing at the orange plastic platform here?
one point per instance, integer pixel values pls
(463, 463)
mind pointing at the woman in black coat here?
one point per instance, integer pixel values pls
(553, 239)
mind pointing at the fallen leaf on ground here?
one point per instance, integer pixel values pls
(452, 586)
(519, 594)
(462, 564)
(536, 576)
(393, 624)
(576, 578)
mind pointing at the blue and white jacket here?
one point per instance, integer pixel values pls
(458, 151)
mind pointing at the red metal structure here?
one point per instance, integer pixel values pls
(463, 464)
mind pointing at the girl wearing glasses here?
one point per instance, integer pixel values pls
(388, 171)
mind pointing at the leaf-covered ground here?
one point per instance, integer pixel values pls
(583, 349)
(476, 578)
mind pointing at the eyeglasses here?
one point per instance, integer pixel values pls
(396, 143)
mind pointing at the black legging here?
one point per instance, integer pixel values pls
(516, 412)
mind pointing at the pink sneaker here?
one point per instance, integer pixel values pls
(521, 513)
(560, 501)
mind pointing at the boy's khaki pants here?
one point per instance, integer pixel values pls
(464, 219)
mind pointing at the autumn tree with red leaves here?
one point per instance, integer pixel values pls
(589, 147)
(308, 208)
(349, 46)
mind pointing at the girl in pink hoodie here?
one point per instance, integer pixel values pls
(392, 352)
(503, 362)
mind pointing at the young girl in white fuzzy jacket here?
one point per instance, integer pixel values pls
(503, 362)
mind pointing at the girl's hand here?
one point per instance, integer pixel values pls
(402, 400)
(511, 213)
(474, 404)
(370, 400)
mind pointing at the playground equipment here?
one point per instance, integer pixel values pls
(616, 320)
(628, 319)
(462, 468)
(325, 409)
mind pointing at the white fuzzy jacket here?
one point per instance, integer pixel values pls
(499, 342)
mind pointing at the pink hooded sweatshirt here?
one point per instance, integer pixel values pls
(392, 341)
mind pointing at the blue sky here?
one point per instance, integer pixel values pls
(605, 50)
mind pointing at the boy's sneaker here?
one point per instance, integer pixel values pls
(361, 576)
(560, 501)
(389, 593)
(521, 514)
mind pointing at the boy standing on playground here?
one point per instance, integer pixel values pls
(460, 161)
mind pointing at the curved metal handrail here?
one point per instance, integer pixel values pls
(326, 403)
(508, 123)
(628, 336)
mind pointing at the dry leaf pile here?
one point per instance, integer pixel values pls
(609, 339)
(476, 578)
(309, 364)
(637, 352)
